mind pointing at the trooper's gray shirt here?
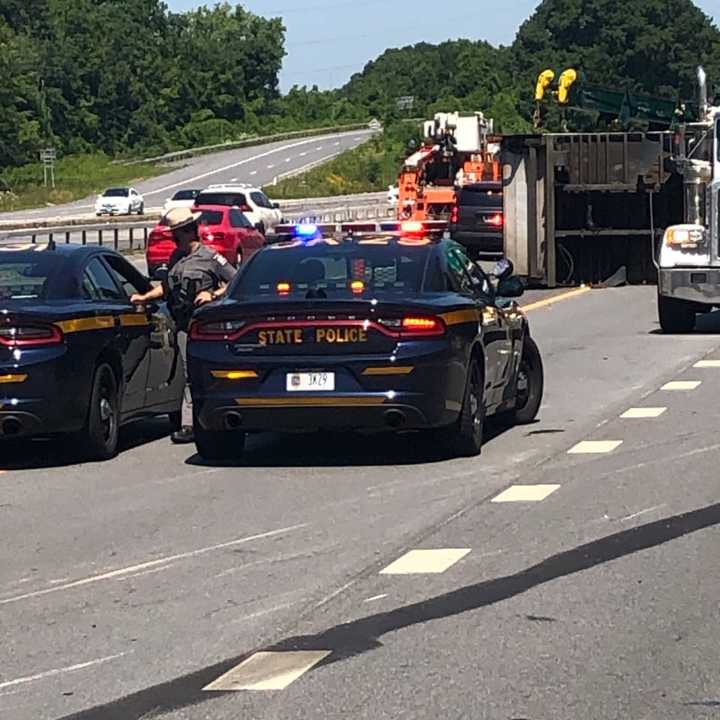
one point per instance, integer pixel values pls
(191, 274)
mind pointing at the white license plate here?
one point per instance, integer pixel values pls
(308, 381)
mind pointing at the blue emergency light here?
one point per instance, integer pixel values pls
(306, 230)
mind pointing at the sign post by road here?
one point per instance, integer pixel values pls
(48, 157)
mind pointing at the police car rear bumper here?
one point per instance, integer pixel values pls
(370, 412)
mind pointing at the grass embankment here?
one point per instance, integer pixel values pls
(76, 177)
(370, 167)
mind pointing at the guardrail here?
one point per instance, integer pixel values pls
(253, 140)
(129, 236)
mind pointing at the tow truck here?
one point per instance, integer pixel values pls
(458, 149)
(688, 265)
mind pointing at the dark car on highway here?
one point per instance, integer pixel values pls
(75, 355)
(382, 332)
(477, 220)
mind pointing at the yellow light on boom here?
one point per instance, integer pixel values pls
(567, 79)
(544, 79)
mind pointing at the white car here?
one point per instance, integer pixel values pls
(256, 205)
(120, 201)
(182, 198)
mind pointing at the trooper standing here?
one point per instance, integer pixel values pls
(196, 275)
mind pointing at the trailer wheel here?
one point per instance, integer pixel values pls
(676, 316)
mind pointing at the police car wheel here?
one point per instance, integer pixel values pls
(218, 445)
(100, 438)
(529, 385)
(465, 436)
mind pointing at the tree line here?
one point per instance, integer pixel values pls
(129, 76)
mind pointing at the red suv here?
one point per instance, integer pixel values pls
(224, 229)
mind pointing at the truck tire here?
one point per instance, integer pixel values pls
(676, 316)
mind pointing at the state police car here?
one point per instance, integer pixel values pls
(75, 355)
(385, 331)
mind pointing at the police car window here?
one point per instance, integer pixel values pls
(89, 291)
(24, 280)
(459, 278)
(103, 281)
(436, 279)
(238, 219)
(294, 270)
(124, 276)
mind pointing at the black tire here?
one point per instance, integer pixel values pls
(218, 444)
(676, 316)
(465, 436)
(530, 383)
(175, 419)
(141, 209)
(100, 436)
(261, 228)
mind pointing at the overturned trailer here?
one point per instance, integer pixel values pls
(587, 207)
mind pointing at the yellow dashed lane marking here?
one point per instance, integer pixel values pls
(707, 364)
(643, 412)
(592, 447)
(682, 385)
(556, 298)
(425, 561)
(268, 670)
(525, 493)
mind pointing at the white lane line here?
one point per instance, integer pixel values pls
(302, 154)
(133, 569)
(59, 671)
(682, 385)
(233, 179)
(253, 172)
(641, 512)
(192, 180)
(319, 147)
(336, 144)
(525, 493)
(425, 561)
(707, 364)
(288, 159)
(376, 597)
(636, 413)
(594, 447)
(270, 167)
(268, 670)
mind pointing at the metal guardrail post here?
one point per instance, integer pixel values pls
(145, 238)
(116, 238)
(100, 239)
(84, 237)
(131, 237)
(50, 238)
(67, 237)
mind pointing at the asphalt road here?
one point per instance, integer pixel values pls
(128, 587)
(255, 165)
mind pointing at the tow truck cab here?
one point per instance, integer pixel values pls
(689, 257)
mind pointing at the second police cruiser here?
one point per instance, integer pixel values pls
(196, 275)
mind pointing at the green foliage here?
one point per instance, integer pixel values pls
(76, 177)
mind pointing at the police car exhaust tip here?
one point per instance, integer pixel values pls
(233, 420)
(394, 419)
(11, 426)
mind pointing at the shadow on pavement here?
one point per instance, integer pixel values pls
(360, 636)
(344, 449)
(60, 451)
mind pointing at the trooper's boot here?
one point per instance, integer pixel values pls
(183, 436)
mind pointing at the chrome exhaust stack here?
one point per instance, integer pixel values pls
(703, 94)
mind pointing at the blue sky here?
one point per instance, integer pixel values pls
(328, 40)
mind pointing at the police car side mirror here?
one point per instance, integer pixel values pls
(510, 287)
(503, 269)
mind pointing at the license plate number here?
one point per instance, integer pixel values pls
(309, 381)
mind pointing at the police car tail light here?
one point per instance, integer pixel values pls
(421, 325)
(30, 335)
(415, 326)
(220, 330)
